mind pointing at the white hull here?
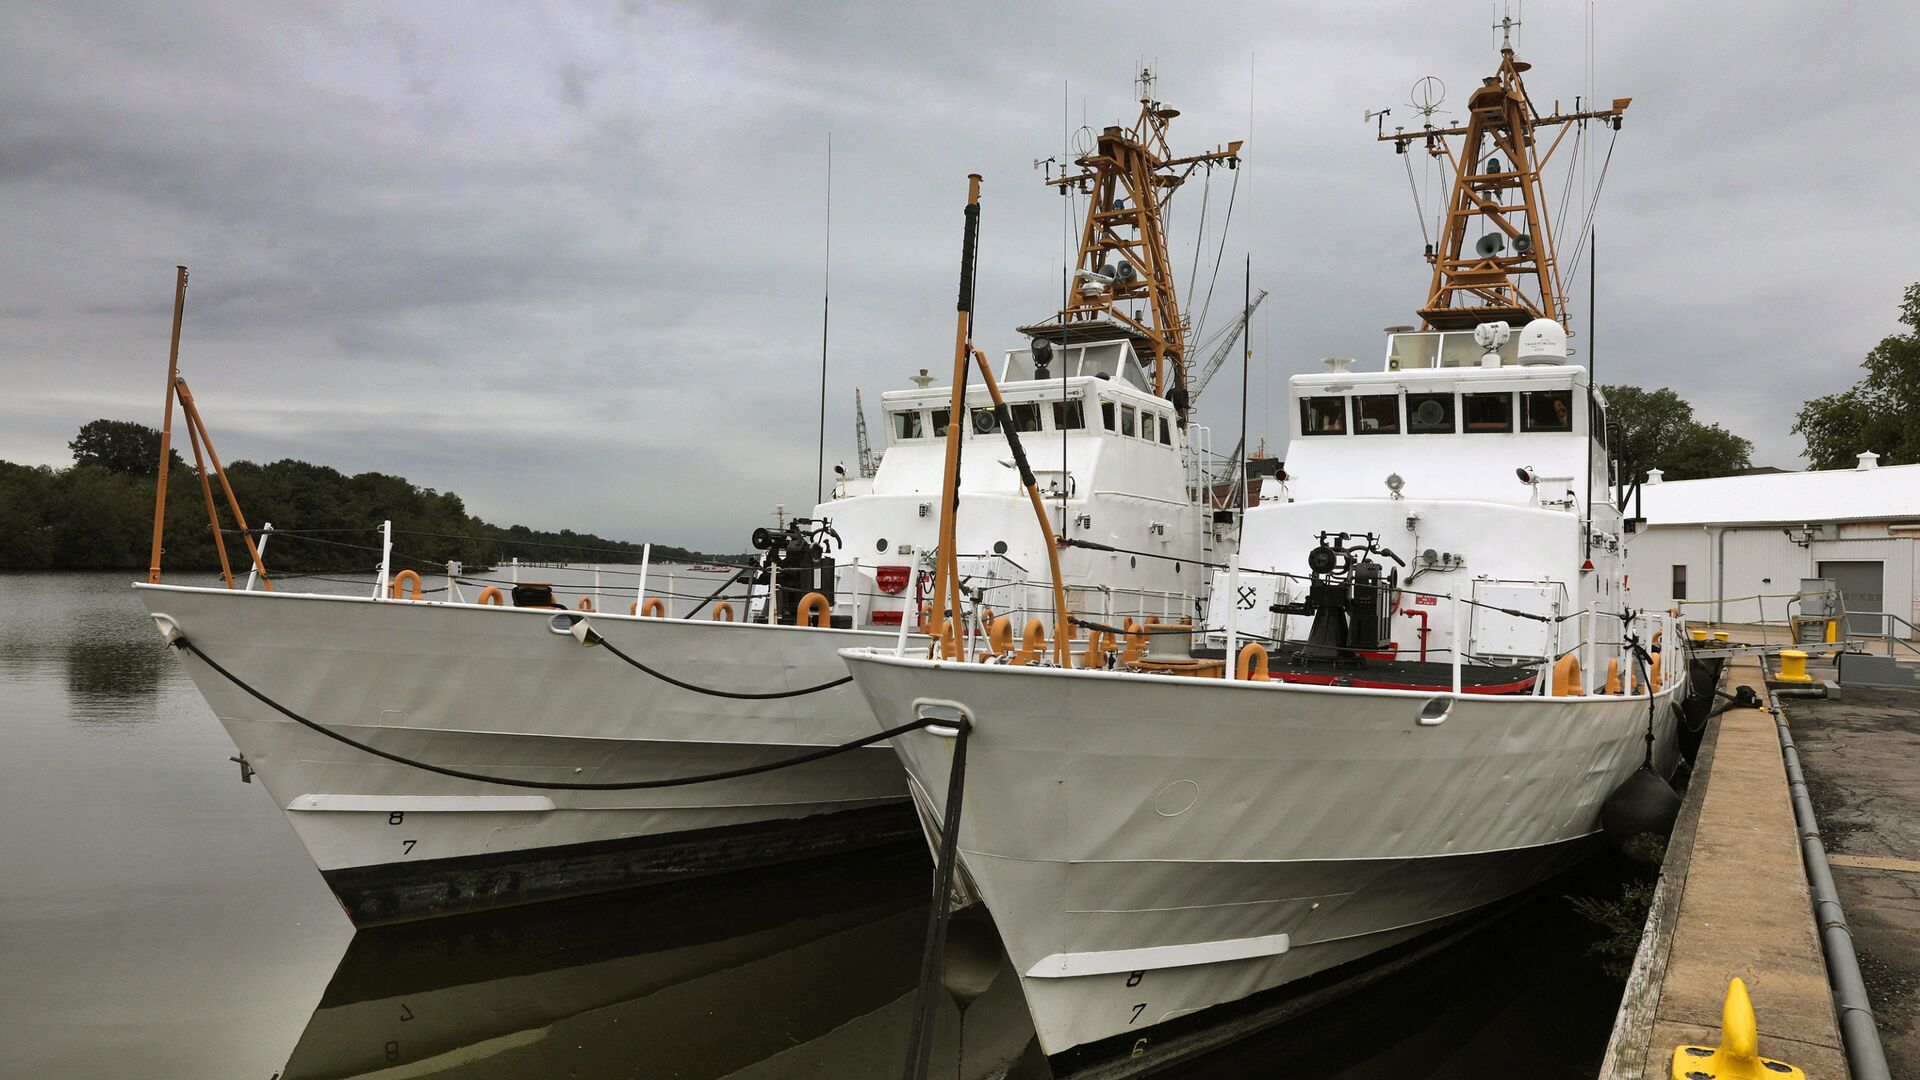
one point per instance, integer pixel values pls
(494, 691)
(1152, 846)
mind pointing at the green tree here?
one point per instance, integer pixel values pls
(120, 446)
(1656, 429)
(1881, 412)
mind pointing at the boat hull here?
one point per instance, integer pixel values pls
(1153, 846)
(494, 691)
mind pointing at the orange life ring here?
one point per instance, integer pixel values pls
(1253, 663)
(719, 609)
(492, 595)
(816, 606)
(404, 577)
(586, 603)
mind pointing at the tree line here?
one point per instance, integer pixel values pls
(98, 515)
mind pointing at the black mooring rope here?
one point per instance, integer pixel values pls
(709, 691)
(506, 781)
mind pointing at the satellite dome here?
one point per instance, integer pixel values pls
(1543, 341)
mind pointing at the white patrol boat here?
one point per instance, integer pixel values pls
(439, 756)
(1427, 678)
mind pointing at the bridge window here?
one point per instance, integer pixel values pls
(1547, 410)
(1597, 424)
(1066, 416)
(1166, 436)
(1376, 414)
(1323, 416)
(1126, 420)
(907, 425)
(1488, 412)
(1026, 416)
(1106, 415)
(939, 423)
(1149, 423)
(1430, 414)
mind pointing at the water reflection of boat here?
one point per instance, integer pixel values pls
(806, 970)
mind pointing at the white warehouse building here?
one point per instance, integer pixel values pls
(1714, 545)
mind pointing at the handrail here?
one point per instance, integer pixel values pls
(1889, 618)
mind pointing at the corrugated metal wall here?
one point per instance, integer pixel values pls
(1651, 556)
(1758, 560)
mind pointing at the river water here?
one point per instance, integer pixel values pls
(159, 919)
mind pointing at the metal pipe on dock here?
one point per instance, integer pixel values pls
(1866, 1059)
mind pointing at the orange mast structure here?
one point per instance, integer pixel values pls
(1123, 274)
(1509, 274)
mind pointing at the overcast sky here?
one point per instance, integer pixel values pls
(567, 259)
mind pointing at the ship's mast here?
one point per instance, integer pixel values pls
(1495, 258)
(1124, 274)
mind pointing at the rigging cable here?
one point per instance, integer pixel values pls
(1225, 227)
(1418, 211)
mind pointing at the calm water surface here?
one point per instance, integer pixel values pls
(159, 919)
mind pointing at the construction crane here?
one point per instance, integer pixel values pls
(1232, 335)
(868, 466)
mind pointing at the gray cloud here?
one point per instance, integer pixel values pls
(567, 260)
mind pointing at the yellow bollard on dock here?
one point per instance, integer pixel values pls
(1738, 1055)
(1793, 666)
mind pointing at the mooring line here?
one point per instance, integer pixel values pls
(507, 781)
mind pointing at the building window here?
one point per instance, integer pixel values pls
(1376, 414)
(1547, 410)
(1323, 416)
(1430, 414)
(1488, 412)
(1679, 583)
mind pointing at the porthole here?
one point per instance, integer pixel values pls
(1133, 562)
(880, 545)
(999, 547)
(1176, 568)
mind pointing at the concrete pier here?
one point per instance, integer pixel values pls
(1732, 901)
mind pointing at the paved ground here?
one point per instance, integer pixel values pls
(1861, 757)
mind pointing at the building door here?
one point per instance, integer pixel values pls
(1862, 587)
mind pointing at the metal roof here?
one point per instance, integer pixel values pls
(1889, 493)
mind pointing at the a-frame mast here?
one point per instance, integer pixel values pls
(1124, 274)
(1495, 260)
